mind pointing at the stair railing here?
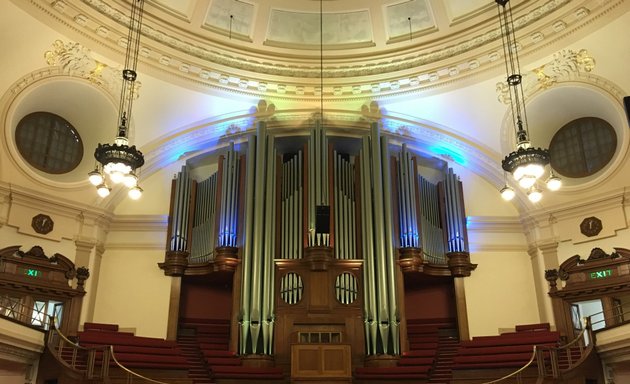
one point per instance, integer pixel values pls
(548, 358)
(518, 374)
(94, 362)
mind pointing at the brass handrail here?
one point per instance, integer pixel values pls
(538, 355)
(107, 354)
(518, 371)
(580, 340)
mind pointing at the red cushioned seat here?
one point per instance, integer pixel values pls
(212, 361)
(416, 360)
(241, 372)
(420, 353)
(392, 373)
(492, 365)
(523, 348)
(533, 327)
(100, 327)
(504, 357)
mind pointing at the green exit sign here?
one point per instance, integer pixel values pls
(32, 272)
(601, 274)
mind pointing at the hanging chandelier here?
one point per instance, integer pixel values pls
(526, 163)
(119, 162)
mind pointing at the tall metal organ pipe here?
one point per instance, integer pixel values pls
(257, 305)
(291, 208)
(456, 232)
(318, 182)
(344, 210)
(183, 185)
(433, 247)
(382, 330)
(408, 220)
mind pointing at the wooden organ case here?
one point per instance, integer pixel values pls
(315, 226)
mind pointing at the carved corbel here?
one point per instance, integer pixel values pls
(459, 264)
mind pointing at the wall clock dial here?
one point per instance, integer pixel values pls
(42, 224)
(591, 226)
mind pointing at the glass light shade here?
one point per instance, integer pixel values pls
(534, 195)
(103, 190)
(534, 170)
(117, 177)
(507, 193)
(527, 181)
(130, 180)
(554, 182)
(135, 193)
(95, 177)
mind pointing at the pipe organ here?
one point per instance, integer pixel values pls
(203, 215)
(313, 217)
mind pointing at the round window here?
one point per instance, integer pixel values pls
(346, 288)
(49, 143)
(291, 288)
(582, 147)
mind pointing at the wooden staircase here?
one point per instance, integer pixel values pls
(199, 371)
(448, 343)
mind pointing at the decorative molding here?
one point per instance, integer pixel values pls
(139, 223)
(76, 60)
(494, 224)
(566, 65)
(228, 65)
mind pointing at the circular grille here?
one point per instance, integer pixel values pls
(346, 288)
(49, 143)
(291, 288)
(582, 147)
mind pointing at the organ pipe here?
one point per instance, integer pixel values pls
(456, 233)
(291, 207)
(369, 281)
(318, 183)
(257, 304)
(344, 207)
(433, 247)
(248, 235)
(408, 220)
(390, 262)
(381, 311)
(180, 210)
(203, 230)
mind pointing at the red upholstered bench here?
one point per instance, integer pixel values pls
(100, 327)
(241, 372)
(392, 373)
(105, 338)
(415, 361)
(514, 339)
(523, 348)
(214, 361)
(491, 365)
(217, 353)
(420, 353)
(533, 327)
(504, 357)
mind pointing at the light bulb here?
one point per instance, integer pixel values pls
(95, 177)
(117, 177)
(130, 180)
(135, 193)
(527, 181)
(534, 195)
(507, 193)
(103, 190)
(554, 182)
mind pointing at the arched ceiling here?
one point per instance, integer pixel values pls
(371, 49)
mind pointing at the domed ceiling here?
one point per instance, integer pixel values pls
(370, 48)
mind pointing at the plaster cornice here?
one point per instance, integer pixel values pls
(203, 59)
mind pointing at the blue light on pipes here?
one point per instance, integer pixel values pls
(449, 153)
